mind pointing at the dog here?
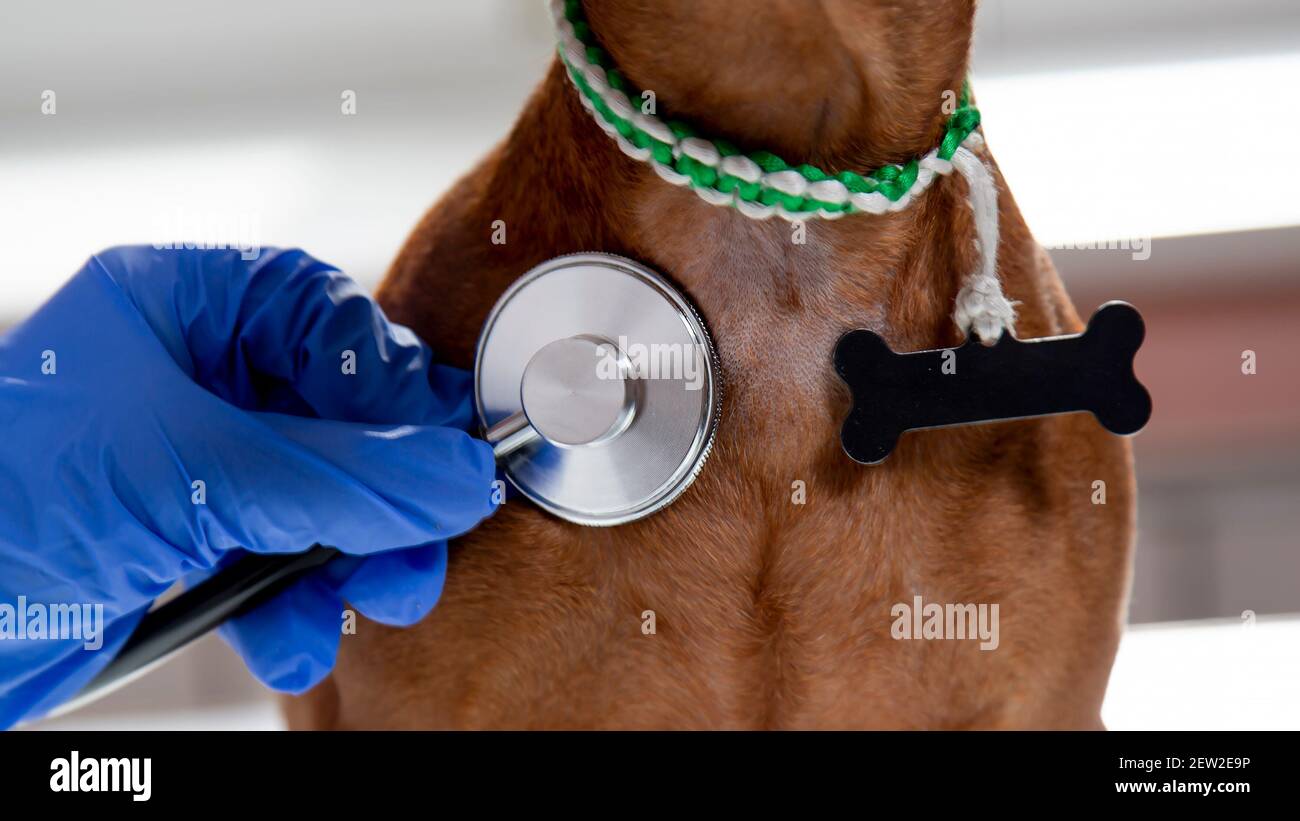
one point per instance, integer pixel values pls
(743, 605)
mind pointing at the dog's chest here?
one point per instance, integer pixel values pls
(774, 334)
(765, 595)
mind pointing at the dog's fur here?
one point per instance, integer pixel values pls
(768, 613)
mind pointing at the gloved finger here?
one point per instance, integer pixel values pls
(436, 479)
(399, 587)
(288, 333)
(277, 483)
(320, 333)
(272, 483)
(290, 642)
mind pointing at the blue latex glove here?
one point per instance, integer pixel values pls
(152, 370)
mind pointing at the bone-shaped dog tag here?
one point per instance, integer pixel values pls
(1011, 379)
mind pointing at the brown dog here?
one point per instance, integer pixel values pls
(768, 613)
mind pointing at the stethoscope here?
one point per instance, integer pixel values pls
(598, 387)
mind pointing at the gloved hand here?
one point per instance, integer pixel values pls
(167, 409)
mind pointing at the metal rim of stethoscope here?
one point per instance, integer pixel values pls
(710, 406)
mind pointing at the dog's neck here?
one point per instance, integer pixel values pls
(842, 84)
(811, 82)
(840, 106)
(559, 184)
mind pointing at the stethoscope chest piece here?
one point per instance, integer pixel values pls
(597, 384)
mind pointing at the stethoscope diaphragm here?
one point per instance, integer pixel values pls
(598, 385)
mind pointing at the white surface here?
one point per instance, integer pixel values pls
(1221, 675)
(254, 715)
(1147, 151)
(225, 117)
(304, 190)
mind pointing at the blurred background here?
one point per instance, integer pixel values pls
(1148, 144)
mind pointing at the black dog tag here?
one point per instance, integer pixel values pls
(1010, 379)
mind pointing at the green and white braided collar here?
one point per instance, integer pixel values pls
(759, 184)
